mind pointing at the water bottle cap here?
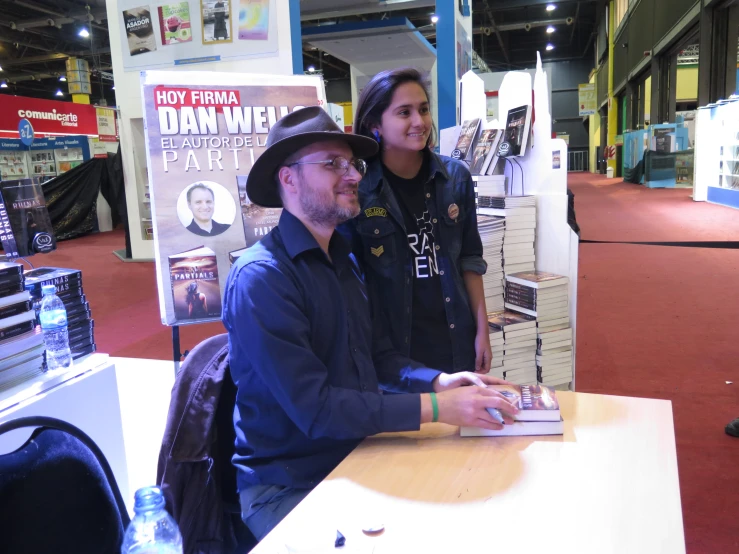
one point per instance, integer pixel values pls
(48, 289)
(148, 499)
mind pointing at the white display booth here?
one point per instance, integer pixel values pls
(543, 173)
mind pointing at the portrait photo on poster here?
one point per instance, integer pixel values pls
(206, 208)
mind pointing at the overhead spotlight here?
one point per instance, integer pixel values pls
(551, 7)
(1, 68)
(59, 92)
(112, 88)
(434, 19)
(550, 47)
(62, 78)
(550, 30)
(311, 69)
(4, 84)
(84, 33)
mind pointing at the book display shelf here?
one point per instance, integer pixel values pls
(522, 217)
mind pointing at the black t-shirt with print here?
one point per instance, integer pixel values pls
(431, 343)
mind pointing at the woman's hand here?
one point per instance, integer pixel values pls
(483, 353)
(449, 381)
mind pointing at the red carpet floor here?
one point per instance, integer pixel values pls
(653, 321)
(660, 322)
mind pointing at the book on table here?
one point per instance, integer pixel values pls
(539, 413)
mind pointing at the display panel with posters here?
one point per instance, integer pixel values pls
(201, 142)
(195, 31)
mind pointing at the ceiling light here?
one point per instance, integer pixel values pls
(62, 78)
(550, 29)
(112, 88)
(434, 19)
(311, 69)
(550, 47)
(59, 92)
(1, 68)
(551, 7)
(4, 84)
(84, 33)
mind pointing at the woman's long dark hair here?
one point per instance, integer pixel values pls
(378, 94)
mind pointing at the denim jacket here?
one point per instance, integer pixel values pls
(380, 243)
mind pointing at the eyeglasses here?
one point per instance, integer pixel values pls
(339, 164)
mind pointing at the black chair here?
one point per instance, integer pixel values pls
(58, 493)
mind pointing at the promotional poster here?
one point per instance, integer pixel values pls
(202, 140)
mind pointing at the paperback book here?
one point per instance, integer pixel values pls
(25, 226)
(174, 23)
(517, 130)
(466, 140)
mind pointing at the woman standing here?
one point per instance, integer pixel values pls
(416, 235)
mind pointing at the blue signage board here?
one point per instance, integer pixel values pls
(25, 130)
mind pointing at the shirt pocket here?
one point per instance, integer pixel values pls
(378, 242)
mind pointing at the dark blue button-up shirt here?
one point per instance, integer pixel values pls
(304, 361)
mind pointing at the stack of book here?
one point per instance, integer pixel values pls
(554, 357)
(491, 231)
(68, 283)
(517, 360)
(539, 413)
(537, 293)
(545, 296)
(487, 186)
(520, 229)
(21, 341)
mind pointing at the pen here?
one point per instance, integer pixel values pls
(497, 416)
(495, 413)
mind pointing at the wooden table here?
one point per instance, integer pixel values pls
(609, 485)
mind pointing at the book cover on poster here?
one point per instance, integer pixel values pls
(139, 30)
(258, 221)
(202, 140)
(194, 279)
(174, 23)
(25, 225)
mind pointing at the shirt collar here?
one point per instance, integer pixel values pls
(374, 170)
(298, 239)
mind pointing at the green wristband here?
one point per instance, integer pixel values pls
(435, 407)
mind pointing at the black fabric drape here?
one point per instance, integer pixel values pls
(71, 198)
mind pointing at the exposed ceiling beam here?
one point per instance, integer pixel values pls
(574, 23)
(52, 56)
(365, 7)
(82, 16)
(517, 4)
(526, 25)
(56, 21)
(9, 40)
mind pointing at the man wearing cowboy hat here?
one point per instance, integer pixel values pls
(303, 355)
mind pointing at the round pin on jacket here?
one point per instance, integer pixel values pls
(453, 211)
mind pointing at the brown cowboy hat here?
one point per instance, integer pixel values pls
(291, 133)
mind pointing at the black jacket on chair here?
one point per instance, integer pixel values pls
(195, 471)
(58, 495)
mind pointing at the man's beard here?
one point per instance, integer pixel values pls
(322, 208)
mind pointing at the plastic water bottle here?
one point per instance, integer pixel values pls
(152, 529)
(53, 318)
